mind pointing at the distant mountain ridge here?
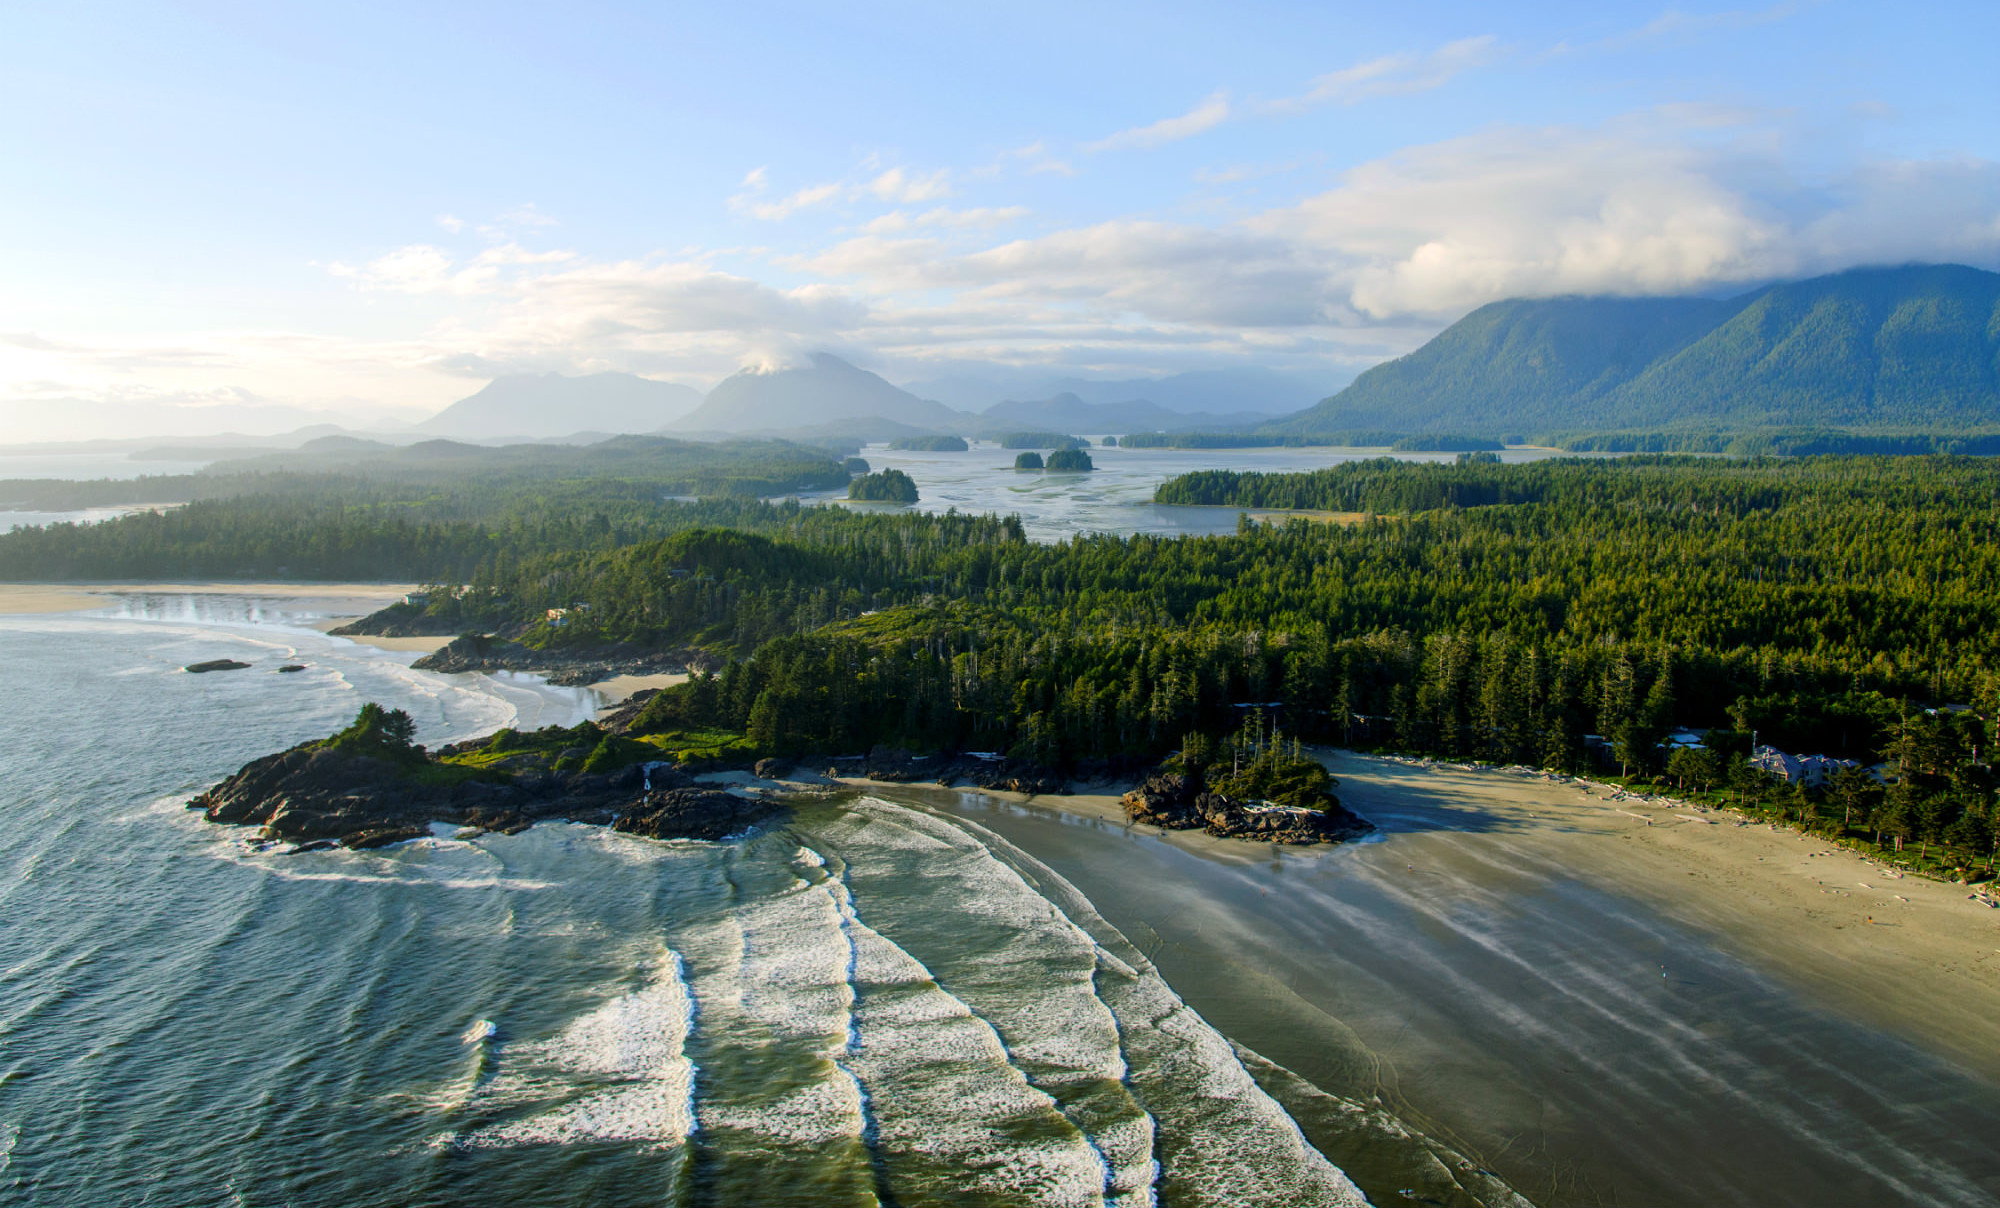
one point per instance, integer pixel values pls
(814, 396)
(1916, 347)
(549, 404)
(1247, 388)
(1068, 413)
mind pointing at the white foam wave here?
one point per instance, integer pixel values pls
(636, 1042)
(1219, 1136)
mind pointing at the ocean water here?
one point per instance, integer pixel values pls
(871, 1003)
(1116, 497)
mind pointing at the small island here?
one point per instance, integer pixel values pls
(930, 444)
(889, 486)
(1028, 461)
(1070, 460)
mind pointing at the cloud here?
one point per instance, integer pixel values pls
(893, 184)
(806, 198)
(1649, 205)
(1206, 116)
(422, 268)
(980, 218)
(1394, 75)
(1675, 23)
(897, 185)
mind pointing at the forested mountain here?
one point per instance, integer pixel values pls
(550, 404)
(815, 395)
(1914, 348)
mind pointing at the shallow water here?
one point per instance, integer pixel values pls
(1116, 497)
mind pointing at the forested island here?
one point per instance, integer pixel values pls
(1832, 605)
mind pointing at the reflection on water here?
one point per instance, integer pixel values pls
(1116, 497)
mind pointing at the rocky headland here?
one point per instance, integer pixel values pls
(318, 796)
(564, 668)
(1174, 802)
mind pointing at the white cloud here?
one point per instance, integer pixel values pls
(980, 218)
(424, 269)
(1395, 75)
(1206, 116)
(898, 185)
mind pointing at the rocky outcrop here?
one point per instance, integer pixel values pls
(476, 652)
(214, 665)
(1173, 802)
(894, 765)
(693, 814)
(319, 797)
(402, 621)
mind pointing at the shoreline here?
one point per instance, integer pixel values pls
(1596, 1010)
(1911, 956)
(29, 599)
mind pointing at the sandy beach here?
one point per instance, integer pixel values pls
(26, 598)
(1907, 954)
(1599, 1010)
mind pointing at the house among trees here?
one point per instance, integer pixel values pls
(1813, 771)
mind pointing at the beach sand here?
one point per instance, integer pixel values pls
(1694, 1012)
(619, 687)
(1908, 955)
(21, 598)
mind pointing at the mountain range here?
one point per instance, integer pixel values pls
(1885, 349)
(1916, 347)
(549, 404)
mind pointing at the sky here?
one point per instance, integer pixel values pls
(367, 210)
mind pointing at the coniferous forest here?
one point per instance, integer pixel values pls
(1514, 613)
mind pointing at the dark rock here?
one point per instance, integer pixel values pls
(309, 794)
(383, 836)
(693, 814)
(1170, 801)
(771, 769)
(214, 665)
(290, 667)
(565, 667)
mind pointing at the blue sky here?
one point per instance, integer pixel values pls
(362, 207)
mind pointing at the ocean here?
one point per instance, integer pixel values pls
(870, 1004)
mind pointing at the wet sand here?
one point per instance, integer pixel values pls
(1600, 1011)
(24, 598)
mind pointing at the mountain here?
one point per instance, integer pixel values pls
(1067, 413)
(827, 390)
(1247, 388)
(1881, 348)
(550, 404)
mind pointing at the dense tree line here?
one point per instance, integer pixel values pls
(1482, 611)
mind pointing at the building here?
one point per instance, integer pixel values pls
(1814, 771)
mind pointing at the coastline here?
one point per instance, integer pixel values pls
(1911, 956)
(20, 599)
(1595, 1011)
(1906, 954)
